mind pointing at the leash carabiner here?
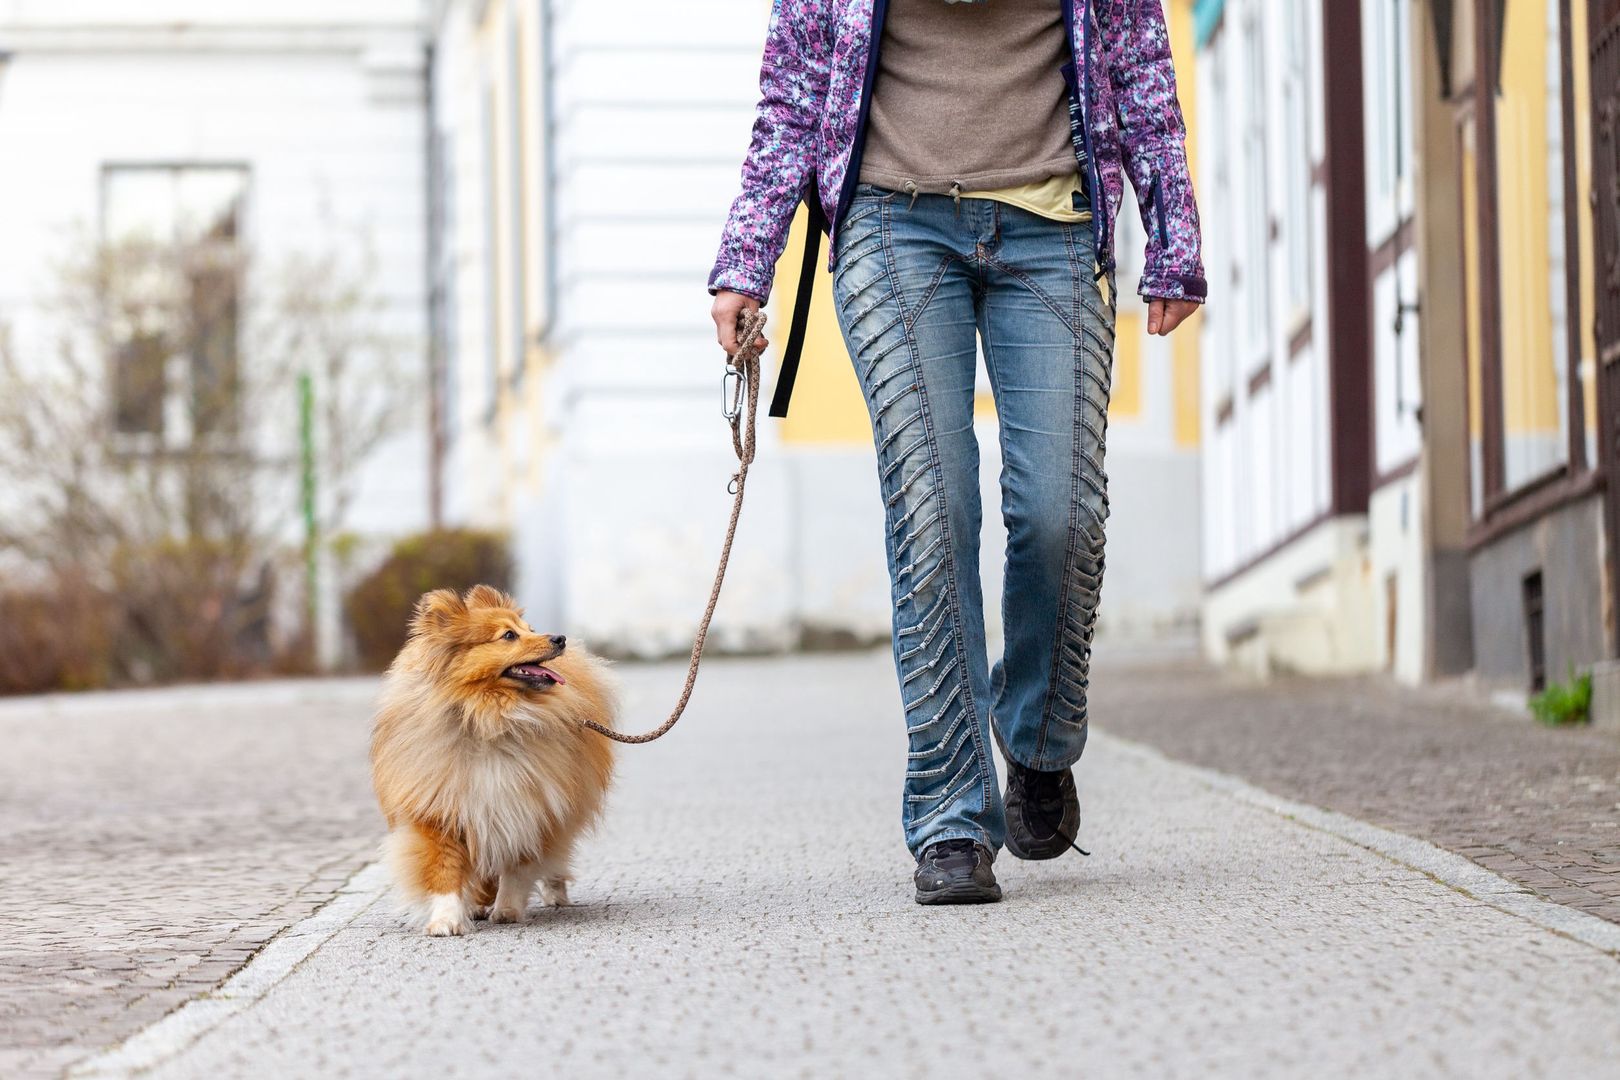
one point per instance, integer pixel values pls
(731, 393)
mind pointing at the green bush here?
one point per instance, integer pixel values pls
(1565, 703)
(379, 607)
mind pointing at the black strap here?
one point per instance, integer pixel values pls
(801, 317)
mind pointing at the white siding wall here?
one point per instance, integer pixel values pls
(1323, 601)
(1387, 95)
(1395, 523)
(608, 460)
(1265, 405)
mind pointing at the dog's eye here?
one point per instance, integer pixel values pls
(510, 635)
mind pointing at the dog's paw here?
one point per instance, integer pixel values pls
(479, 914)
(447, 917)
(446, 927)
(506, 915)
(555, 893)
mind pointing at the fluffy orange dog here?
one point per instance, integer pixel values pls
(480, 763)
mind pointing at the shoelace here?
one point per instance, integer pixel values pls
(1045, 802)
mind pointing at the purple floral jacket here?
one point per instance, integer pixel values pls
(816, 84)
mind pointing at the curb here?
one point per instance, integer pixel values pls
(1449, 869)
(152, 1046)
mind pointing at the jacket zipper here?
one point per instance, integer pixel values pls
(852, 177)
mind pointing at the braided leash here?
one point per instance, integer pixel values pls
(741, 392)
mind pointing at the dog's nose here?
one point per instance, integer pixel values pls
(559, 640)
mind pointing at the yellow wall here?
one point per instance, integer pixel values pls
(827, 404)
(1529, 382)
(1125, 395)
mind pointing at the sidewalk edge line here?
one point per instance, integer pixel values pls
(280, 957)
(1448, 868)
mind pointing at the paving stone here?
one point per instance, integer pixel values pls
(152, 838)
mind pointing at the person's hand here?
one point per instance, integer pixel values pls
(1165, 315)
(728, 306)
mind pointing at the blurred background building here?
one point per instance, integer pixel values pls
(1402, 390)
(1380, 449)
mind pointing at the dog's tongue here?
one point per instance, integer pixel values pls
(540, 670)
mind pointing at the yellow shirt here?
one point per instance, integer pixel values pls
(1051, 198)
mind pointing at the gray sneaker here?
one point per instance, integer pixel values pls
(956, 872)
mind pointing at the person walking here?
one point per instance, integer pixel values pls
(967, 158)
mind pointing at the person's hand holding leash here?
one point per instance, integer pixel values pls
(728, 308)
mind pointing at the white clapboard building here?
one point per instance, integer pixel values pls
(292, 129)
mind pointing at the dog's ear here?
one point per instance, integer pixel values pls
(436, 610)
(488, 596)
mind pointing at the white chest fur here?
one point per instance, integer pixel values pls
(506, 800)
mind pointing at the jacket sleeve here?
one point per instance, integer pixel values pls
(781, 156)
(1153, 140)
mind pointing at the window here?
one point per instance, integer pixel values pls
(1387, 94)
(1257, 214)
(1223, 327)
(1297, 156)
(173, 263)
(1526, 422)
(1219, 325)
(1530, 174)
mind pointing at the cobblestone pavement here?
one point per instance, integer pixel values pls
(1539, 806)
(746, 912)
(152, 841)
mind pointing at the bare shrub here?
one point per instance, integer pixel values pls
(149, 454)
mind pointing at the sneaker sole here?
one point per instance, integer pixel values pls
(961, 894)
(1058, 847)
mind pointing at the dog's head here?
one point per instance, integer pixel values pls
(478, 644)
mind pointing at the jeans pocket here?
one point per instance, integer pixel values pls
(872, 191)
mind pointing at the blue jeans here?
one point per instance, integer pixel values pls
(914, 282)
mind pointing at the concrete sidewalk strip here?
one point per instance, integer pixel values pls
(746, 912)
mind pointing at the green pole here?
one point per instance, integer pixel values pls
(306, 447)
